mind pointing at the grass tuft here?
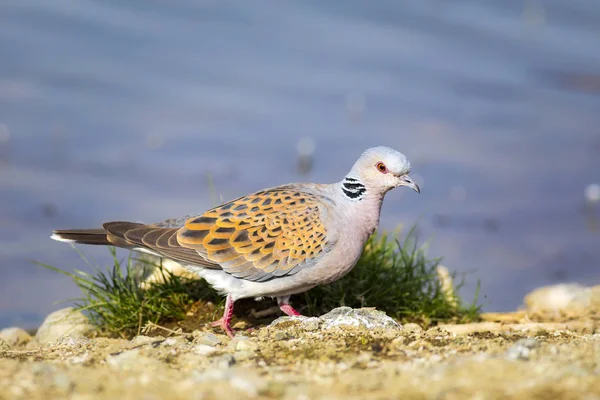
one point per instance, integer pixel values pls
(393, 276)
(115, 302)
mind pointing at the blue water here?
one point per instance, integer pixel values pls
(123, 110)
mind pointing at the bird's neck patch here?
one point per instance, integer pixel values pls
(353, 189)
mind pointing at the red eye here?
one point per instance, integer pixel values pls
(381, 167)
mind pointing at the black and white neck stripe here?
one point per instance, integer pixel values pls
(353, 189)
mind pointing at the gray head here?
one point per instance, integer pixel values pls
(380, 169)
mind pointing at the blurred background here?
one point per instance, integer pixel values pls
(134, 110)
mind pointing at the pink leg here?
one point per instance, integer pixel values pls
(225, 320)
(289, 310)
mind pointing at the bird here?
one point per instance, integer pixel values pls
(273, 243)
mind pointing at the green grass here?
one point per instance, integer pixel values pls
(393, 276)
(115, 302)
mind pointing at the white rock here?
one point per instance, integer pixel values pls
(207, 338)
(204, 349)
(369, 318)
(245, 345)
(15, 336)
(72, 341)
(142, 340)
(563, 300)
(361, 317)
(62, 322)
(80, 359)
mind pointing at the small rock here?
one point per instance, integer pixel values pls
(412, 328)
(245, 344)
(62, 322)
(244, 355)
(80, 359)
(280, 335)
(522, 349)
(204, 349)
(240, 325)
(15, 336)
(225, 361)
(72, 341)
(362, 317)
(176, 341)
(562, 301)
(130, 360)
(398, 342)
(142, 340)
(368, 318)
(311, 324)
(206, 338)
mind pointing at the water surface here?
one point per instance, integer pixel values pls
(122, 110)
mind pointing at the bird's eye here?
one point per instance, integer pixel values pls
(381, 167)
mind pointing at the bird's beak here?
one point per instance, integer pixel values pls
(406, 180)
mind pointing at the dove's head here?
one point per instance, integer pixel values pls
(381, 169)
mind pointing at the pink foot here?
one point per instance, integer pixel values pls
(225, 321)
(289, 310)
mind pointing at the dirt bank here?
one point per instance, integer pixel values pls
(349, 355)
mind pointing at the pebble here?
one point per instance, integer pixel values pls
(15, 336)
(244, 355)
(361, 317)
(131, 359)
(176, 341)
(142, 340)
(398, 342)
(569, 300)
(242, 343)
(522, 349)
(368, 318)
(280, 335)
(204, 349)
(206, 338)
(412, 328)
(224, 361)
(80, 359)
(62, 322)
(311, 324)
(246, 345)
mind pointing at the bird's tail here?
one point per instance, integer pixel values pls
(84, 236)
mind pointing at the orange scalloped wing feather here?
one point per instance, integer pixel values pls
(271, 233)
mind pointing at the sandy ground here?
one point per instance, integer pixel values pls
(316, 359)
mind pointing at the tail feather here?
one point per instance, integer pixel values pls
(84, 236)
(137, 237)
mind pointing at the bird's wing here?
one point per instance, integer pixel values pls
(268, 234)
(155, 239)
